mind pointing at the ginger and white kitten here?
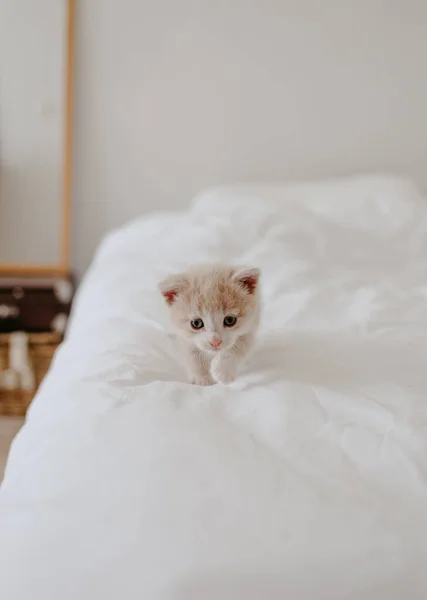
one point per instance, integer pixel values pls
(215, 309)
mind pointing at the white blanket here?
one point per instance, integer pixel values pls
(305, 479)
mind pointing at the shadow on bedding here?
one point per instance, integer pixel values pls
(339, 361)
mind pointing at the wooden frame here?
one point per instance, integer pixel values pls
(63, 267)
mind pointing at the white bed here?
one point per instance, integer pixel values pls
(305, 479)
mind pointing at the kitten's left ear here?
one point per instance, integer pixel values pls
(248, 277)
(171, 287)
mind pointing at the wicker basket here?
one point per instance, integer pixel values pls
(41, 348)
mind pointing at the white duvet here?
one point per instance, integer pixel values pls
(305, 479)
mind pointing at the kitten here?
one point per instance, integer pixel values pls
(215, 309)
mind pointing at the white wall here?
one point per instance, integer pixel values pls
(173, 96)
(32, 58)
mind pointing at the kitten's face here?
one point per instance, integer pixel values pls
(211, 306)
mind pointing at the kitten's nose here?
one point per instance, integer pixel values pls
(215, 342)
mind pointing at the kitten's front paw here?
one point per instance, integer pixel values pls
(223, 371)
(202, 380)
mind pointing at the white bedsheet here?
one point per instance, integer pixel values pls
(305, 479)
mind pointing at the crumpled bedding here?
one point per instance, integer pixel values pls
(305, 479)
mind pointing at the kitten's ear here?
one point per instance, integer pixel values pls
(248, 278)
(171, 287)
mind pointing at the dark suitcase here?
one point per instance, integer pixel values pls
(34, 305)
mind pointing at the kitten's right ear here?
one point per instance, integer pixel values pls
(171, 287)
(248, 278)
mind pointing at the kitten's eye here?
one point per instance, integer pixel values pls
(197, 324)
(230, 321)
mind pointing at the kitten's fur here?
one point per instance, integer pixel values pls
(210, 293)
